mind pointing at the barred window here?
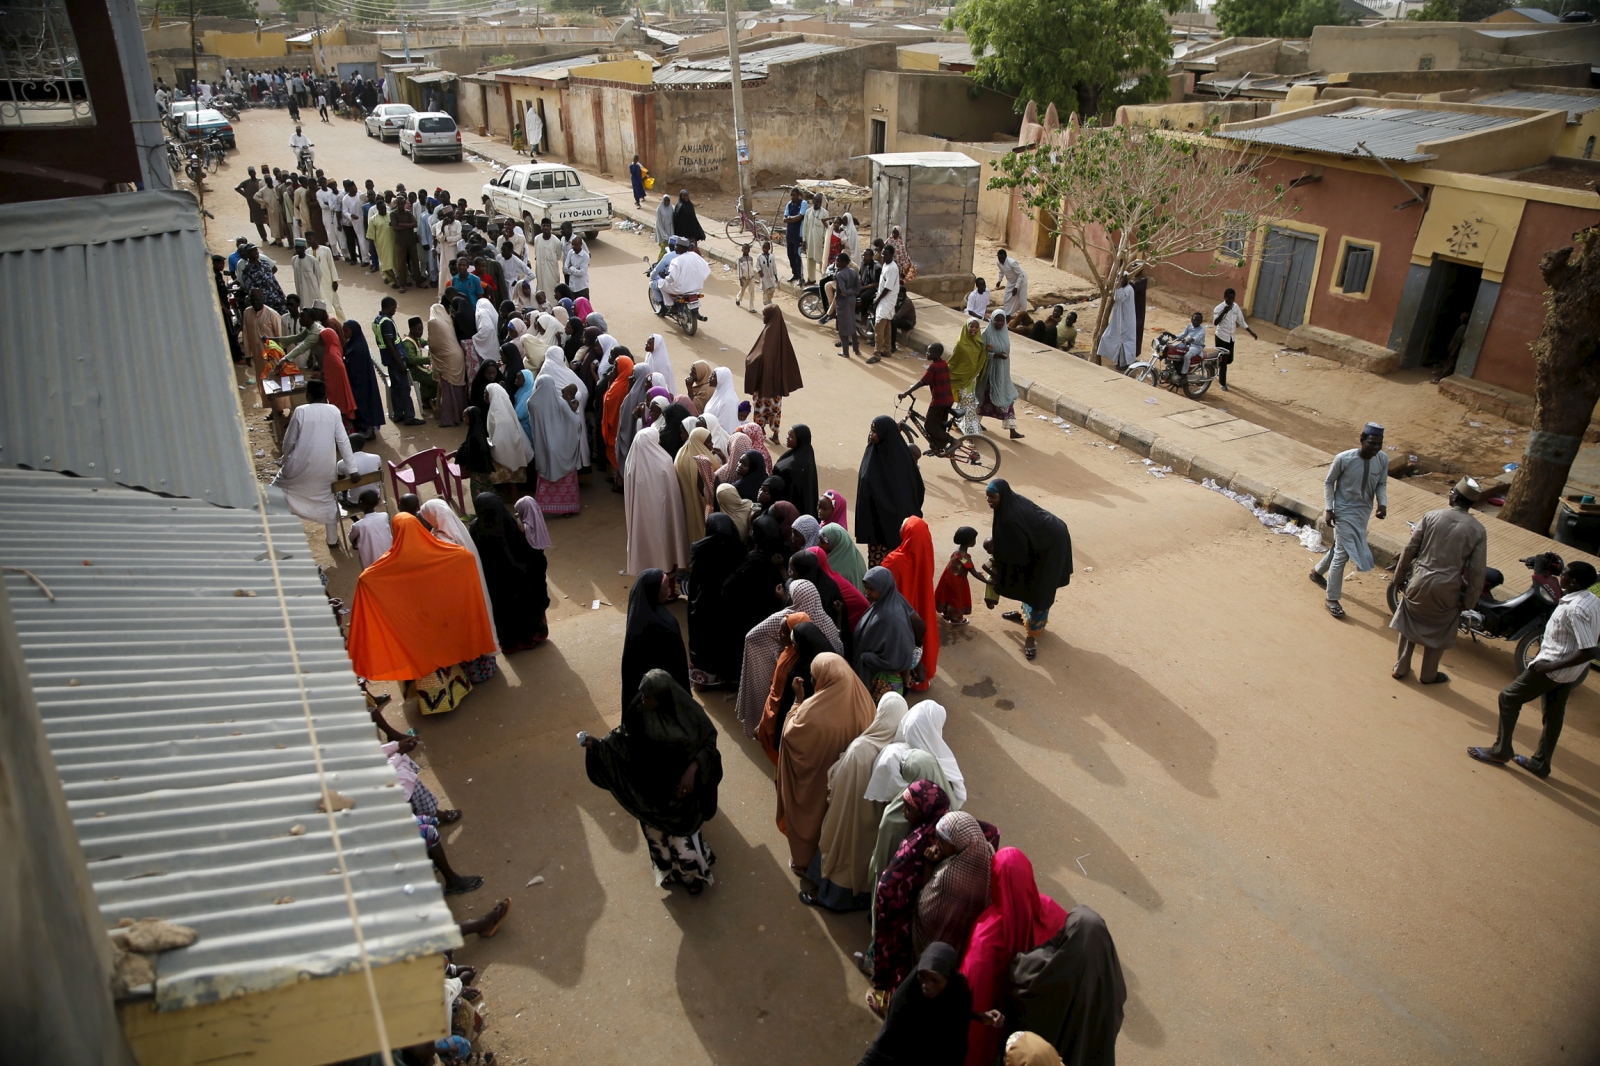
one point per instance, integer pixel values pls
(41, 72)
(1356, 269)
(1235, 233)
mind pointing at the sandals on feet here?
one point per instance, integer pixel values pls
(469, 883)
(450, 817)
(1013, 616)
(1030, 651)
(1527, 764)
(1487, 755)
(495, 928)
(1318, 580)
(1334, 609)
(1439, 678)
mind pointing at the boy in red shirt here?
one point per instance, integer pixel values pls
(940, 399)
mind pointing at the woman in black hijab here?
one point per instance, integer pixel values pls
(663, 767)
(798, 468)
(463, 318)
(653, 640)
(514, 572)
(714, 648)
(671, 422)
(926, 1024)
(887, 636)
(474, 458)
(574, 338)
(364, 386)
(753, 476)
(888, 490)
(804, 564)
(1032, 557)
(751, 592)
(488, 373)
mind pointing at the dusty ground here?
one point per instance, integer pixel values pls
(1296, 858)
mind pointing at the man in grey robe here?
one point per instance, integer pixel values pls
(1441, 571)
(1355, 479)
(1119, 344)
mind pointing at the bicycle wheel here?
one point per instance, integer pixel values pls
(735, 230)
(976, 457)
(762, 230)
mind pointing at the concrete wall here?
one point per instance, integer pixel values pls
(934, 105)
(1391, 47)
(245, 45)
(1425, 82)
(1505, 359)
(524, 95)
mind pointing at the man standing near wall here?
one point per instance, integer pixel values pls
(794, 219)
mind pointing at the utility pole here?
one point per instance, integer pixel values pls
(194, 94)
(316, 29)
(405, 43)
(741, 136)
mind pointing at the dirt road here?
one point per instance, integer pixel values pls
(1296, 858)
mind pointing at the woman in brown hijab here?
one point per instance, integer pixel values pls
(816, 731)
(771, 371)
(701, 383)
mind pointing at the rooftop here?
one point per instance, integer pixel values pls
(753, 65)
(171, 706)
(1574, 104)
(1398, 134)
(550, 69)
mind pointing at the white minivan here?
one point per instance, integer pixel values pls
(430, 133)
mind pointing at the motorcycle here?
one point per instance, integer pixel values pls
(1521, 618)
(684, 310)
(814, 303)
(1170, 364)
(304, 160)
(194, 164)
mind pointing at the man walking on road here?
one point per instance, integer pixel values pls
(1225, 318)
(1441, 571)
(258, 213)
(1561, 665)
(1355, 479)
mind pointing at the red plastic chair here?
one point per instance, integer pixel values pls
(427, 467)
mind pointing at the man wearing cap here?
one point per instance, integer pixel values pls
(1355, 479)
(1570, 637)
(307, 273)
(1441, 571)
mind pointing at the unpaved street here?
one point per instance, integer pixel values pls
(1295, 856)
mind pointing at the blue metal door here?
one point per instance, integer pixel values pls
(1283, 285)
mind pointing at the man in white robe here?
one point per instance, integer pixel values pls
(307, 273)
(548, 252)
(1119, 344)
(1016, 283)
(313, 445)
(327, 275)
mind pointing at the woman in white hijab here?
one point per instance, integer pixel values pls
(485, 341)
(447, 527)
(724, 403)
(653, 504)
(533, 348)
(851, 238)
(719, 436)
(548, 331)
(655, 349)
(563, 375)
(921, 728)
(606, 342)
(507, 443)
(558, 436)
(850, 828)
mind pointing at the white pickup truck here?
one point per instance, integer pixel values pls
(535, 191)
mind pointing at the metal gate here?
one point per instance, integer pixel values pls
(1284, 283)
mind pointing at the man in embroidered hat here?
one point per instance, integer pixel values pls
(1441, 571)
(1355, 479)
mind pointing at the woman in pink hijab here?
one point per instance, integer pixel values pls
(582, 308)
(831, 508)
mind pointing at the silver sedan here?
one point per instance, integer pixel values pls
(386, 119)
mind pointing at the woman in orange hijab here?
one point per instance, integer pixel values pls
(418, 608)
(912, 567)
(611, 407)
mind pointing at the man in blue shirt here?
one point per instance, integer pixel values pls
(465, 282)
(794, 214)
(238, 254)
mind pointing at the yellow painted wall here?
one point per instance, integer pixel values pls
(1576, 137)
(633, 71)
(175, 35)
(1465, 226)
(245, 45)
(914, 59)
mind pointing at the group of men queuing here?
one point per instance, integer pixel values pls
(295, 88)
(1442, 572)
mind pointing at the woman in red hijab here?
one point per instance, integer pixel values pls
(611, 408)
(334, 376)
(1019, 918)
(912, 566)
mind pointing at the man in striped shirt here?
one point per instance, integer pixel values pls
(1570, 639)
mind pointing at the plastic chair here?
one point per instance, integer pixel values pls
(430, 467)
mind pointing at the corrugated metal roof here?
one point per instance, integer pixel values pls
(1572, 103)
(923, 159)
(551, 70)
(113, 361)
(1388, 133)
(175, 722)
(753, 66)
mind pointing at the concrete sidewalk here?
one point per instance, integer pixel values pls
(1198, 439)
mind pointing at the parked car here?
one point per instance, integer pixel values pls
(386, 120)
(430, 133)
(207, 121)
(534, 191)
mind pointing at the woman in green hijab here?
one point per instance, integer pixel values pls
(843, 555)
(967, 364)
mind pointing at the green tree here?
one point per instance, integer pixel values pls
(1126, 196)
(1277, 18)
(1088, 56)
(1458, 10)
(180, 9)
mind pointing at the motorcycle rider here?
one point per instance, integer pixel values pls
(301, 146)
(1194, 340)
(1355, 479)
(658, 274)
(687, 276)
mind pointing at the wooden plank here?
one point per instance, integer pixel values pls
(309, 1022)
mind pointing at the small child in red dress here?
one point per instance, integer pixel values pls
(951, 597)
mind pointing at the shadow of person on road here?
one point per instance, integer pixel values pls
(759, 981)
